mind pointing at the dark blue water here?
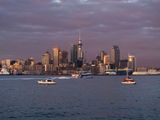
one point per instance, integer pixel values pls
(99, 98)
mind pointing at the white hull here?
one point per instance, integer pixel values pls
(111, 73)
(128, 83)
(76, 76)
(46, 82)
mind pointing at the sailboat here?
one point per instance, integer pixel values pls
(128, 80)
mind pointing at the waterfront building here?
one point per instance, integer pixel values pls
(102, 54)
(74, 54)
(38, 68)
(29, 67)
(30, 61)
(115, 56)
(46, 58)
(56, 57)
(106, 59)
(20, 61)
(132, 62)
(102, 68)
(6, 62)
(64, 58)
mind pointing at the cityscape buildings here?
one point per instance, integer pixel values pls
(57, 62)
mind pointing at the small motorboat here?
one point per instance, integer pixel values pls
(128, 81)
(46, 82)
(76, 75)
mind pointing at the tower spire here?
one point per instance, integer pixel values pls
(79, 36)
(79, 39)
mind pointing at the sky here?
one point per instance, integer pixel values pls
(28, 28)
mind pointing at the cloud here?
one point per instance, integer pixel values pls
(57, 1)
(103, 23)
(130, 1)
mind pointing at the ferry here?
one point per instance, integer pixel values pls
(46, 82)
(147, 73)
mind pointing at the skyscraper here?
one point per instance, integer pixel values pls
(64, 57)
(115, 56)
(77, 54)
(74, 55)
(80, 51)
(56, 56)
(106, 59)
(46, 57)
(102, 54)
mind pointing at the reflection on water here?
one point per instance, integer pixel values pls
(97, 98)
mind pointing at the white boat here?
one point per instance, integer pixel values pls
(76, 75)
(111, 73)
(46, 82)
(128, 81)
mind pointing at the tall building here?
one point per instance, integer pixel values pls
(132, 62)
(106, 59)
(80, 50)
(56, 57)
(64, 57)
(102, 54)
(74, 55)
(77, 54)
(115, 56)
(46, 58)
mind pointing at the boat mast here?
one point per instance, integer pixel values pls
(127, 67)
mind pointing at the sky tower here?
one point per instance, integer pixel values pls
(80, 51)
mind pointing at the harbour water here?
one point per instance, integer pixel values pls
(97, 98)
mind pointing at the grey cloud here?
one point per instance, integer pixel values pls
(102, 22)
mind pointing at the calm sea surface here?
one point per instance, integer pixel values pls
(97, 98)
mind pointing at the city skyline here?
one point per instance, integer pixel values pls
(29, 28)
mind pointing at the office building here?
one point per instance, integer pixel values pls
(74, 54)
(56, 57)
(46, 58)
(102, 54)
(106, 59)
(64, 57)
(115, 56)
